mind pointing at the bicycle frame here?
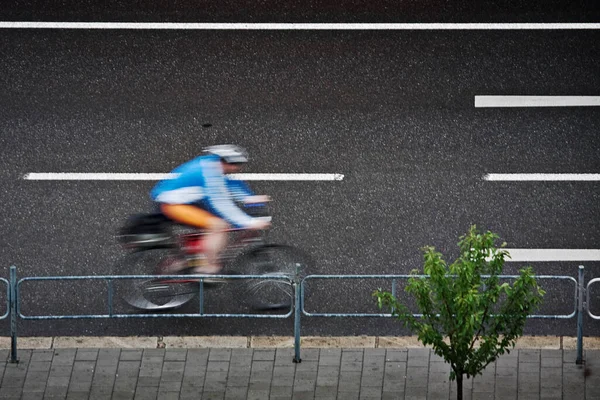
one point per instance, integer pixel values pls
(191, 244)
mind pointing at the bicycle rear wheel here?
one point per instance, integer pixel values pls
(153, 294)
(269, 261)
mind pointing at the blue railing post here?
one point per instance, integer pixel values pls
(580, 310)
(110, 296)
(13, 315)
(297, 313)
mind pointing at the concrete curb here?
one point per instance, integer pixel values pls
(525, 342)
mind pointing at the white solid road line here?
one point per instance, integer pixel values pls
(293, 26)
(74, 176)
(542, 177)
(537, 255)
(536, 101)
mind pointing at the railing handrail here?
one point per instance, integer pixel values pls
(7, 313)
(110, 278)
(405, 276)
(587, 291)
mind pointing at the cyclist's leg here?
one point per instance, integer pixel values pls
(216, 235)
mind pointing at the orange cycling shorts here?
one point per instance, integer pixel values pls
(190, 214)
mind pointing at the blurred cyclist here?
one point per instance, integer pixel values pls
(201, 195)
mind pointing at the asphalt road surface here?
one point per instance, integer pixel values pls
(393, 111)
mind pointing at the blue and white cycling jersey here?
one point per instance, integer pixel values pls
(201, 180)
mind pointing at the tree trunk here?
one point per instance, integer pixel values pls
(459, 386)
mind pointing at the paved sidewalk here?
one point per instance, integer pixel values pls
(252, 373)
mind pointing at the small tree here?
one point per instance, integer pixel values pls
(465, 304)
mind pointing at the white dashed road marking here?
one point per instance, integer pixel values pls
(537, 255)
(542, 177)
(536, 101)
(73, 176)
(293, 26)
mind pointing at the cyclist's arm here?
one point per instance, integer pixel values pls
(241, 192)
(220, 199)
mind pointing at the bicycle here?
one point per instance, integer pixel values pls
(156, 246)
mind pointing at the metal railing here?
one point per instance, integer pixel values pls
(588, 291)
(7, 313)
(297, 309)
(110, 297)
(395, 278)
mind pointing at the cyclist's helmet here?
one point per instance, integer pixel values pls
(229, 153)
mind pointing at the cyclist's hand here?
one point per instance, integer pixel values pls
(261, 223)
(257, 199)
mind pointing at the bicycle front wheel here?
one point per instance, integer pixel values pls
(153, 294)
(268, 261)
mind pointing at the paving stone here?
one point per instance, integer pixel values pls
(219, 355)
(483, 396)
(552, 362)
(551, 377)
(131, 355)
(146, 393)
(548, 393)
(529, 355)
(259, 386)
(438, 390)
(507, 371)
(171, 386)
(370, 392)
(61, 370)
(394, 355)
(285, 356)
(215, 382)
(168, 395)
(262, 366)
(83, 368)
(416, 392)
(349, 395)
(86, 355)
(175, 355)
(42, 355)
(261, 377)
(58, 381)
(505, 392)
(439, 367)
(349, 381)
(239, 380)
(309, 355)
(281, 391)
(80, 386)
(529, 367)
(190, 394)
(122, 395)
(27, 396)
(55, 391)
(307, 395)
(198, 356)
(125, 384)
(528, 383)
(394, 395)
(238, 393)
(213, 395)
(370, 379)
(84, 395)
(416, 377)
(529, 396)
(108, 356)
(351, 366)
(304, 385)
(257, 394)
(263, 355)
